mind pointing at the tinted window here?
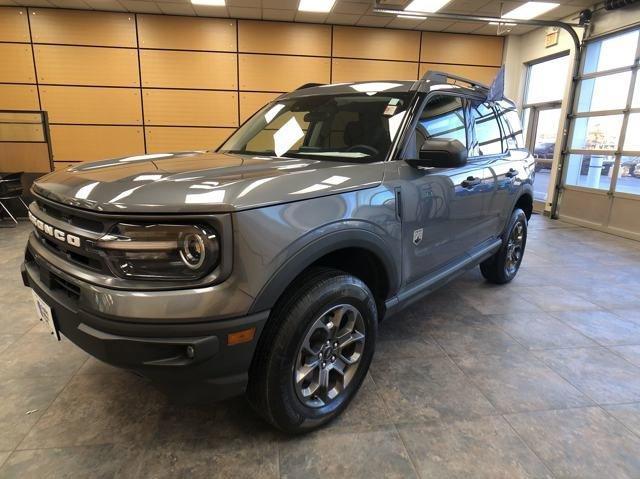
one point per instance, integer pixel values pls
(488, 139)
(442, 117)
(512, 127)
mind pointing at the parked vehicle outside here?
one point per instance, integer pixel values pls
(266, 266)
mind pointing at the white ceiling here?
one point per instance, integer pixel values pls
(344, 12)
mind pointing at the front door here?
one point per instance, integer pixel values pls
(444, 210)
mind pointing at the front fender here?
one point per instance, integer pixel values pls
(316, 248)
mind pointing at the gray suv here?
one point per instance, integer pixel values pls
(265, 267)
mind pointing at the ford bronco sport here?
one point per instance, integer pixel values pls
(264, 267)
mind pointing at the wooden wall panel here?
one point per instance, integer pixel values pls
(27, 157)
(462, 49)
(281, 73)
(18, 97)
(285, 38)
(482, 74)
(376, 43)
(162, 139)
(14, 26)
(173, 69)
(362, 70)
(16, 63)
(251, 102)
(190, 108)
(91, 105)
(78, 27)
(86, 143)
(21, 132)
(96, 66)
(187, 33)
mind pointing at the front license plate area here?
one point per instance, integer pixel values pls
(43, 310)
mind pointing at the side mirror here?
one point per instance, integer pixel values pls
(441, 153)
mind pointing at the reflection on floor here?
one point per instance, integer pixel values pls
(540, 378)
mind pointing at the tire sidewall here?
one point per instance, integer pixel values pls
(518, 216)
(301, 316)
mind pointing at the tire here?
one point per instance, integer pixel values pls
(299, 324)
(503, 266)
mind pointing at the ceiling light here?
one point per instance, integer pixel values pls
(322, 6)
(427, 6)
(412, 17)
(210, 3)
(530, 10)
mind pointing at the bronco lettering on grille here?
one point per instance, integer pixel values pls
(49, 230)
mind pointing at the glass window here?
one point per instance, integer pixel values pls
(356, 128)
(590, 171)
(612, 52)
(608, 92)
(632, 137)
(636, 93)
(442, 117)
(596, 132)
(512, 127)
(629, 175)
(546, 80)
(488, 138)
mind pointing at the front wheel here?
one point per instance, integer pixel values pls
(315, 351)
(503, 266)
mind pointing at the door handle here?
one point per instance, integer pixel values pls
(470, 182)
(511, 173)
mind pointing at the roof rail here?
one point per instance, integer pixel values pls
(437, 76)
(309, 85)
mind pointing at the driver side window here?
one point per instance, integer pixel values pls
(442, 118)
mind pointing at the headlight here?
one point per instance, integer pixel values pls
(161, 252)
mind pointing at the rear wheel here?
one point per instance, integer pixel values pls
(315, 352)
(503, 266)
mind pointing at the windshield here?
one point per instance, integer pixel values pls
(356, 128)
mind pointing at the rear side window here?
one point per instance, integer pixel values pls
(487, 137)
(512, 128)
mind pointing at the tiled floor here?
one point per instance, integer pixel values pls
(540, 378)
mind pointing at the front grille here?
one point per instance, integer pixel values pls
(73, 219)
(71, 290)
(82, 223)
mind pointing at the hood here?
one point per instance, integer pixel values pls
(200, 182)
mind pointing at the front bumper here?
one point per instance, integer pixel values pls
(191, 361)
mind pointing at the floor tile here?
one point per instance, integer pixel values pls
(22, 402)
(519, 382)
(483, 448)
(630, 353)
(406, 348)
(597, 372)
(89, 461)
(18, 317)
(627, 414)
(250, 459)
(497, 300)
(603, 327)
(368, 452)
(580, 443)
(459, 335)
(540, 331)
(366, 409)
(553, 298)
(7, 340)
(95, 409)
(428, 389)
(39, 354)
